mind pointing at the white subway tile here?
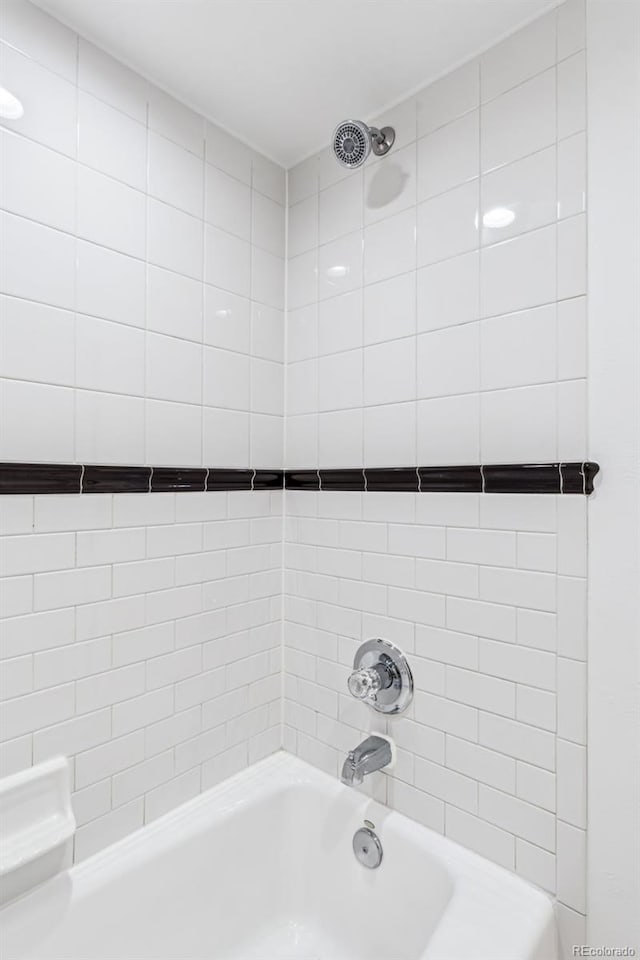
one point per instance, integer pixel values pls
(67, 588)
(523, 819)
(481, 764)
(572, 783)
(105, 830)
(78, 660)
(145, 776)
(536, 707)
(478, 835)
(515, 662)
(456, 718)
(72, 736)
(572, 866)
(487, 619)
(536, 865)
(33, 711)
(102, 761)
(478, 690)
(518, 740)
(448, 785)
(572, 700)
(109, 687)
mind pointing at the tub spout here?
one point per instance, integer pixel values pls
(372, 754)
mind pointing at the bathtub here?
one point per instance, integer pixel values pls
(261, 867)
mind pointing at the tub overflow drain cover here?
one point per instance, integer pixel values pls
(367, 848)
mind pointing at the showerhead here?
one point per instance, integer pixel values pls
(354, 140)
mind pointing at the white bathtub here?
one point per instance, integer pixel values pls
(262, 868)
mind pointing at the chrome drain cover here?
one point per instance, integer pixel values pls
(367, 848)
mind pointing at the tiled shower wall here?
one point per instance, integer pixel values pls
(141, 273)
(437, 316)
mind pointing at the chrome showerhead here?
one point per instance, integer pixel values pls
(354, 140)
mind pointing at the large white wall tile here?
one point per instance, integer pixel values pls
(518, 273)
(37, 183)
(111, 213)
(36, 421)
(111, 142)
(522, 55)
(452, 96)
(449, 156)
(175, 175)
(36, 262)
(174, 240)
(49, 102)
(519, 122)
(448, 224)
(109, 284)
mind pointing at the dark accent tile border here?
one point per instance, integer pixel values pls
(32, 478)
(463, 479)
(167, 479)
(229, 479)
(302, 479)
(392, 478)
(112, 479)
(342, 480)
(268, 480)
(522, 478)
(43, 478)
(578, 477)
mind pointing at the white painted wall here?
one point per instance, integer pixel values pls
(613, 70)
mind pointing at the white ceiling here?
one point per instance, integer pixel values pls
(281, 74)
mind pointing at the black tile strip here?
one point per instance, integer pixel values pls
(342, 479)
(166, 479)
(26, 478)
(522, 478)
(463, 479)
(268, 480)
(229, 479)
(590, 469)
(110, 479)
(578, 477)
(301, 480)
(45, 478)
(392, 478)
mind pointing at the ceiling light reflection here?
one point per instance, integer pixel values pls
(10, 106)
(498, 217)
